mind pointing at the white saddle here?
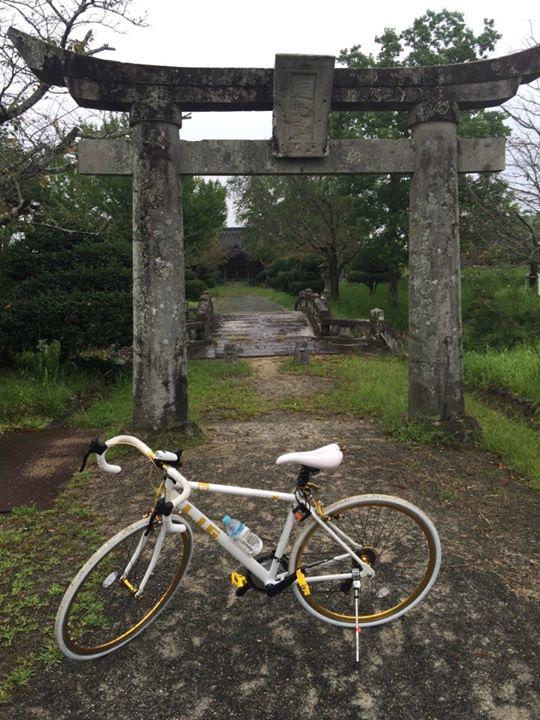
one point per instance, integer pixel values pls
(328, 457)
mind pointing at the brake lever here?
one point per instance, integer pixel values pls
(96, 446)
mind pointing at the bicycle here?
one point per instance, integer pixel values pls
(360, 562)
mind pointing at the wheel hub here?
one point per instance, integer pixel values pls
(368, 555)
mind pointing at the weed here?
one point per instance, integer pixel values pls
(447, 494)
(25, 511)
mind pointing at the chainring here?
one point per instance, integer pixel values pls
(266, 562)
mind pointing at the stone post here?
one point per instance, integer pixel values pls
(376, 322)
(436, 354)
(159, 314)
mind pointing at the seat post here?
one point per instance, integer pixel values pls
(305, 474)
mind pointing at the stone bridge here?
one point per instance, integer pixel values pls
(259, 327)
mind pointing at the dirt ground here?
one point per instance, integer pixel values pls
(35, 464)
(467, 651)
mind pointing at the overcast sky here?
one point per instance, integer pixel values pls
(249, 33)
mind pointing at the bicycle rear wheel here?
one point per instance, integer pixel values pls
(393, 536)
(100, 611)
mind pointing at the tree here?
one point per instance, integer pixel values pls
(301, 216)
(40, 124)
(374, 210)
(205, 211)
(65, 266)
(524, 170)
(434, 38)
(65, 273)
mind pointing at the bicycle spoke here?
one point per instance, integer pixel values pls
(392, 541)
(101, 614)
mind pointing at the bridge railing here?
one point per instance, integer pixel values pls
(200, 319)
(317, 310)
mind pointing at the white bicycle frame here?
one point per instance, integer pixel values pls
(268, 576)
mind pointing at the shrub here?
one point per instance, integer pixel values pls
(194, 288)
(291, 275)
(76, 319)
(498, 310)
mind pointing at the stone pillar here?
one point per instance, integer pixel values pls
(159, 308)
(436, 353)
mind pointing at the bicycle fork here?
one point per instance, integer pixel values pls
(167, 526)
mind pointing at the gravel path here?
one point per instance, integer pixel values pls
(468, 651)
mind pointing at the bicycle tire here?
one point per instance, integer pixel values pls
(85, 627)
(380, 603)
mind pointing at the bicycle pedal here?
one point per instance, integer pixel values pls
(240, 583)
(302, 582)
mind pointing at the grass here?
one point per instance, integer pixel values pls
(39, 551)
(516, 369)
(517, 444)
(214, 386)
(29, 401)
(370, 386)
(110, 411)
(355, 301)
(377, 386)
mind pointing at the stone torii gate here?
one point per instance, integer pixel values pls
(301, 91)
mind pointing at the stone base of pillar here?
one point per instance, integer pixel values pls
(464, 430)
(173, 435)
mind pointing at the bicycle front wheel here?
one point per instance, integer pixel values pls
(101, 610)
(393, 536)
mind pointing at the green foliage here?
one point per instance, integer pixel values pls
(205, 211)
(355, 301)
(194, 286)
(291, 275)
(299, 216)
(65, 268)
(498, 310)
(39, 389)
(208, 273)
(432, 39)
(517, 369)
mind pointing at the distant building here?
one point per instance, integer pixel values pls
(237, 262)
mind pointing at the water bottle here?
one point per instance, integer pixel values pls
(242, 535)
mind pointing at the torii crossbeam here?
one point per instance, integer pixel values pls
(301, 91)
